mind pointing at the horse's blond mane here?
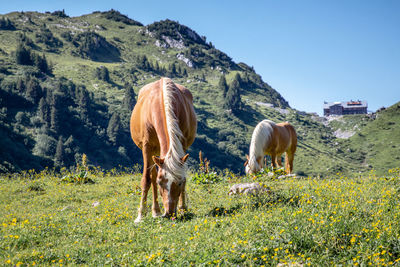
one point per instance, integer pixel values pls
(173, 163)
(260, 137)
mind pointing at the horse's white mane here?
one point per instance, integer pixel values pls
(173, 163)
(260, 137)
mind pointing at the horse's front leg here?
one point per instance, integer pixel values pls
(156, 207)
(145, 184)
(182, 200)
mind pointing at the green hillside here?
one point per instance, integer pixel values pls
(377, 143)
(67, 86)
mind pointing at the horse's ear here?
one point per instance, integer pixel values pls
(158, 161)
(184, 158)
(247, 157)
(245, 164)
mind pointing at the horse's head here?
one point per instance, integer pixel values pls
(170, 183)
(252, 165)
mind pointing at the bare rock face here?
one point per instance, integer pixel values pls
(187, 61)
(248, 188)
(343, 134)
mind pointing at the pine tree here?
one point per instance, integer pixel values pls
(143, 63)
(114, 127)
(55, 113)
(70, 149)
(129, 98)
(54, 119)
(103, 74)
(41, 63)
(238, 78)
(173, 69)
(156, 67)
(232, 99)
(222, 85)
(20, 86)
(33, 90)
(43, 111)
(59, 160)
(23, 55)
(82, 96)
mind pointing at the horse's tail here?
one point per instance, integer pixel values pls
(293, 138)
(289, 157)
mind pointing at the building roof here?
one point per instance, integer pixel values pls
(347, 104)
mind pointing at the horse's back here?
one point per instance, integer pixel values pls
(289, 129)
(148, 115)
(187, 116)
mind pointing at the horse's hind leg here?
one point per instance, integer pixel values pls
(145, 183)
(279, 161)
(273, 161)
(289, 162)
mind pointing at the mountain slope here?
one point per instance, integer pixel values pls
(66, 89)
(377, 143)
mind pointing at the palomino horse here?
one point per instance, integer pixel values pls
(163, 123)
(271, 139)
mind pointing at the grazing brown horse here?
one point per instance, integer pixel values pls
(271, 139)
(163, 123)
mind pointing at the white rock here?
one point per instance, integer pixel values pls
(247, 188)
(187, 61)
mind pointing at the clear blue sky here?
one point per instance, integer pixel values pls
(309, 51)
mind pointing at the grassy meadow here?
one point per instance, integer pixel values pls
(335, 220)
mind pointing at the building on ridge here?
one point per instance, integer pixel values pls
(345, 108)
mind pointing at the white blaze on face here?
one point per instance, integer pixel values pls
(169, 183)
(247, 169)
(253, 166)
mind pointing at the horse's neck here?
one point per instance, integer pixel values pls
(261, 142)
(257, 147)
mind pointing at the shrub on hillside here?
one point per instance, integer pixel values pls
(67, 36)
(60, 13)
(6, 24)
(25, 40)
(25, 56)
(95, 47)
(129, 100)
(232, 99)
(102, 74)
(45, 146)
(46, 37)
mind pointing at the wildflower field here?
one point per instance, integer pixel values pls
(47, 220)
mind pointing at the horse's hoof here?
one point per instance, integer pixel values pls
(156, 214)
(138, 219)
(182, 210)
